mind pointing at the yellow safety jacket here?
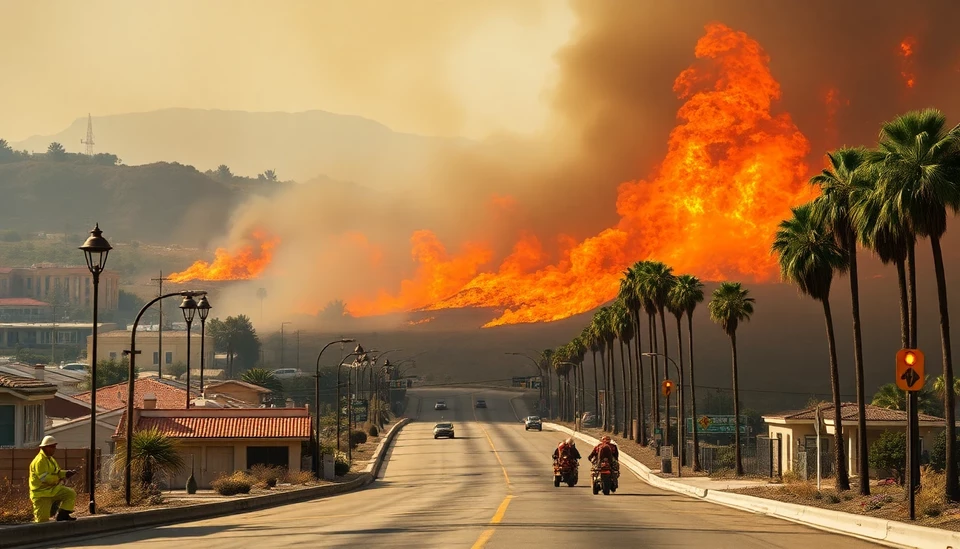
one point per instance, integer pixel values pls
(45, 475)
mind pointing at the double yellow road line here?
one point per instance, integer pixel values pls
(502, 509)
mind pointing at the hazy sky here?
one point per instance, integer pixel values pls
(427, 66)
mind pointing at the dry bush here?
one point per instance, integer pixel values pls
(931, 497)
(231, 485)
(791, 477)
(15, 503)
(113, 495)
(801, 490)
(301, 477)
(268, 475)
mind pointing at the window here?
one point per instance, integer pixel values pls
(29, 283)
(7, 424)
(32, 423)
(169, 357)
(113, 356)
(156, 357)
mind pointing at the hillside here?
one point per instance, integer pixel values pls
(297, 145)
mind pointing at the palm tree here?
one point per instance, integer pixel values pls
(578, 350)
(731, 305)
(839, 187)
(686, 293)
(623, 328)
(809, 256)
(601, 327)
(650, 308)
(919, 159)
(263, 377)
(545, 363)
(890, 396)
(630, 295)
(658, 279)
(152, 452)
(593, 342)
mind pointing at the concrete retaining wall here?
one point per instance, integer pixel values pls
(887, 532)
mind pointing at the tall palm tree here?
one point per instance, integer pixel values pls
(650, 308)
(630, 295)
(840, 186)
(593, 342)
(809, 256)
(731, 304)
(601, 327)
(919, 159)
(623, 328)
(890, 396)
(686, 293)
(582, 346)
(658, 280)
(545, 362)
(609, 378)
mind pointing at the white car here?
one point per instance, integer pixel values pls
(74, 367)
(443, 430)
(287, 373)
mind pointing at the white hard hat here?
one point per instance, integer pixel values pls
(48, 441)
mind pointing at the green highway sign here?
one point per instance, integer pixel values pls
(715, 424)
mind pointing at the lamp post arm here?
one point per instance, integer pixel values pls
(666, 357)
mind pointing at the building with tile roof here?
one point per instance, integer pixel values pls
(113, 397)
(796, 431)
(22, 418)
(222, 440)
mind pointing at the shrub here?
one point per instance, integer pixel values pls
(373, 431)
(357, 438)
(231, 485)
(725, 458)
(790, 477)
(113, 495)
(802, 490)
(267, 475)
(889, 452)
(931, 497)
(15, 502)
(832, 498)
(938, 454)
(340, 465)
(301, 477)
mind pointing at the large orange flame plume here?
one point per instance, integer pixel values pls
(247, 262)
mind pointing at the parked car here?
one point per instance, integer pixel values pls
(589, 419)
(532, 422)
(287, 373)
(440, 405)
(443, 430)
(74, 367)
(481, 403)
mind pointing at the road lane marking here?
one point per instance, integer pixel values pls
(496, 454)
(497, 517)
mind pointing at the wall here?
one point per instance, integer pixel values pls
(205, 470)
(77, 435)
(147, 343)
(15, 464)
(245, 394)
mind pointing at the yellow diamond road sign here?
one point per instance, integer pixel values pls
(704, 422)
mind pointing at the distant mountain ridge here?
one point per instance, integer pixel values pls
(298, 145)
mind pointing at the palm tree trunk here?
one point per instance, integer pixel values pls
(843, 481)
(693, 395)
(628, 408)
(654, 376)
(681, 439)
(614, 424)
(606, 393)
(904, 305)
(736, 407)
(949, 403)
(641, 397)
(912, 289)
(666, 375)
(596, 386)
(863, 463)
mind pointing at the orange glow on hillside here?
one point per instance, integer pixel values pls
(245, 263)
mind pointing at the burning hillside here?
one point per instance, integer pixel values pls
(249, 261)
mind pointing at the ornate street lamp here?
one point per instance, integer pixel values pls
(189, 308)
(203, 308)
(359, 353)
(316, 397)
(95, 249)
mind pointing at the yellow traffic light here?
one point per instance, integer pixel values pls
(910, 374)
(666, 387)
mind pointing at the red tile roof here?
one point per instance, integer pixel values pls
(28, 384)
(229, 427)
(848, 412)
(113, 397)
(21, 302)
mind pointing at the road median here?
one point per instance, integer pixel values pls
(886, 532)
(43, 535)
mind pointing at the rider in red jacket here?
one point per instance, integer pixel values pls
(606, 449)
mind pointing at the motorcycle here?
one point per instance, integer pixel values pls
(604, 477)
(565, 469)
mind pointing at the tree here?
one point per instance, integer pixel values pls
(592, 341)
(152, 452)
(630, 295)
(106, 159)
(919, 162)
(686, 294)
(6, 151)
(268, 175)
(111, 371)
(839, 187)
(601, 328)
(657, 280)
(224, 173)
(891, 397)
(55, 151)
(263, 377)
(808, 255)
(640, 272)
(236, 337)
(731, 305)
(622, 324)
(889, 452)
(176, 369)
(545, 364)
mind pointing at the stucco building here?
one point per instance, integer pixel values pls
(110, 345)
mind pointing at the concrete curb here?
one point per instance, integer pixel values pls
(28, 535)
(373, 468)
(892, 533)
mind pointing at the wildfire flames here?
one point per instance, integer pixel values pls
(245, 263)
(732, 171)
(906, 52)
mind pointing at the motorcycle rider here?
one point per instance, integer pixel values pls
(567, 448)
(606, 449)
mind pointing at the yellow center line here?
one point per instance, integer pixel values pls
(497, 517)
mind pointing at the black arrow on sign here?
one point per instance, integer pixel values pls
(911, 377)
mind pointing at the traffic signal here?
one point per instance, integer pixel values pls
(910, 374)
(666, 387)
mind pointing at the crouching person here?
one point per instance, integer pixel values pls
(46, 484)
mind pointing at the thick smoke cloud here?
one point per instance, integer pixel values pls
(839, 65)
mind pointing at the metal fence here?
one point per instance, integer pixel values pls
(761, 457)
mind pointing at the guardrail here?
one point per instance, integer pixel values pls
(892, 533)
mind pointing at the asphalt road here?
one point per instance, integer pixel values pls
(491, 486)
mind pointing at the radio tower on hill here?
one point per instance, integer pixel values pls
(89, 140)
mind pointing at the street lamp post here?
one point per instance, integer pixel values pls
(132, 353)
(681, 435)
(358, 352)
(316, 396)
(282, 324)
(95, 249)
(539, 373)
(189, 308)
(203, 308)
(576, 397)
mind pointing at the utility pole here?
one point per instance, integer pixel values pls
(160, 281)
(282, 324)
(298, 349)
(89, 140)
